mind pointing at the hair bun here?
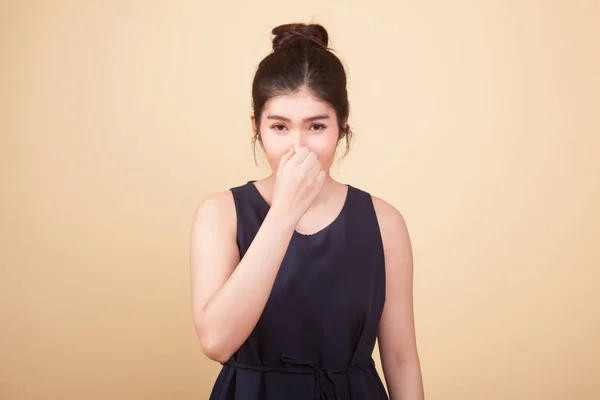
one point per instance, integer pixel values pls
(289, 35)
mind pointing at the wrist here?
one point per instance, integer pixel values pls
(283, 218)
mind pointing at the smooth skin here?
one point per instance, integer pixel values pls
(299, 136)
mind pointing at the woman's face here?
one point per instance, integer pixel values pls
(298, 120)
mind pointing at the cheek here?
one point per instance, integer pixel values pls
(274, 150)
(325, 148)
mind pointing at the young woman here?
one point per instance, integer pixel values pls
(294, 276)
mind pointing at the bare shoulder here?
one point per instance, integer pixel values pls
(216, 210)
(391, 221)
(397, 245)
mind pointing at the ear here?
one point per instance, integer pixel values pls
(253, 122)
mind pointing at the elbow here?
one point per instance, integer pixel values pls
(214, 350)
(212, 344)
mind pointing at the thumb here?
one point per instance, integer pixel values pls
(285, 158)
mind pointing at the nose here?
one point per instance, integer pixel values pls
(297, 140)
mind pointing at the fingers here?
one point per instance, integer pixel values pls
(299, 157)
(309, 162)
(319, 182)
(285, 158)
(305, 160)
(321, 179)
(314, 170)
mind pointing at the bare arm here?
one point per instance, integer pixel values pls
(397, 339)
(229, 295)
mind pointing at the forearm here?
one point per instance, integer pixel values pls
(404, 380)
(234, 310)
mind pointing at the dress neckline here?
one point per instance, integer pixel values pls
(320, 231)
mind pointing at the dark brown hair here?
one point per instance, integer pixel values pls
(301, 59)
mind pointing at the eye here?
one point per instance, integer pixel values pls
(276, 127)
(321, 126)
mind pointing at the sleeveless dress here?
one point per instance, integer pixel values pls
(317, 332)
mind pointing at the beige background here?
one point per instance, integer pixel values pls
(478, 121)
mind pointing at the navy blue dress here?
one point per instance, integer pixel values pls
(316, 335)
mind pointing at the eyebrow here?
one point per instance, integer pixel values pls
(314, 118)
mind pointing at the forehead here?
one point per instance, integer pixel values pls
(297, 106)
